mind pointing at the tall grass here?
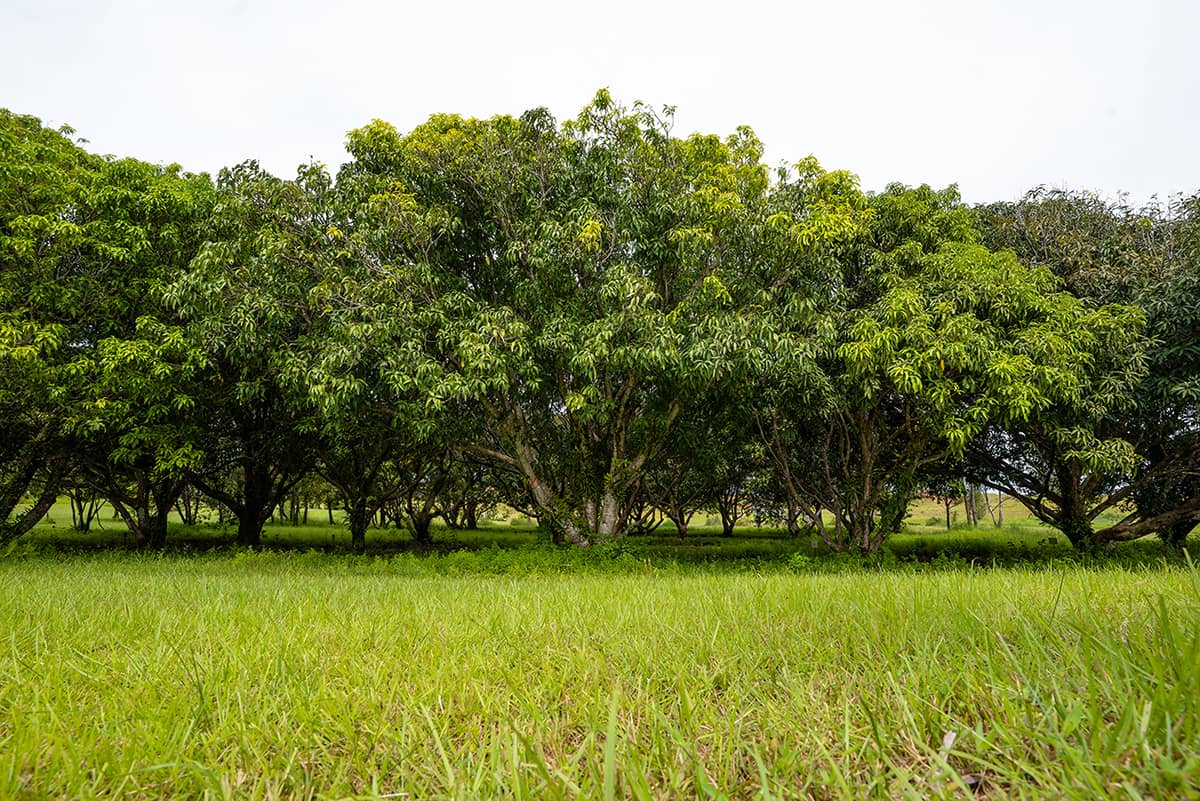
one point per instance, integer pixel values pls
(303, 676)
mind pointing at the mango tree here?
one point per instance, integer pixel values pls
(1135, 439)
(89, 379)
(581, 286)
(43, 176)
(930, 339)
(247, 303)
(136, 428)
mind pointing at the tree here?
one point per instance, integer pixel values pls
(579, 288)
(677, 485)
(355, 461)
(947, 490)
(249, 300)
(86, 245)
(1135, 443)
(471, 492)
(1167, 488)
(705, 463)
(43, 176)
(932, 337)
(136, 430)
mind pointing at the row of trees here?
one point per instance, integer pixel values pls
(590, 321)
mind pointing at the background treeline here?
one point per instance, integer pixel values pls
(595, 322)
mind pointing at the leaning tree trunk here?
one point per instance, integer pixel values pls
(12, 524)
(10, 529)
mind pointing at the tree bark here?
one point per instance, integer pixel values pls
(359, 518)
(681, 518)
(1176, 535)
(728, 508)
(420, 526)
(11, 529)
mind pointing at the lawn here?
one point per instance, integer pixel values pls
(611, 675)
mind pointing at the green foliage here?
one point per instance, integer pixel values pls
(930, 338)
(250, 301)
(581, 286)
(44, 179)
(1133, 437)
(91, 374)
(599, 315)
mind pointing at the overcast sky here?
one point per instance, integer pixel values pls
(994, 96)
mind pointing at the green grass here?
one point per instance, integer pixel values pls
(607, 675)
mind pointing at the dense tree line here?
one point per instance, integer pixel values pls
(596, 322)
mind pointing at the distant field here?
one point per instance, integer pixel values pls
(306, 675)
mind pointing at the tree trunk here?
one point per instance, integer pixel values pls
(16, 487)
(146, 520)
(681, 518)
(1176, 535)
(793, 517)
(256, 505)
(153, 529)
(84, 509)
(359, 518)
(727, 508)
(420, 526)
(1078, 530)
(188, 506)
(1071, 518)
(972, 504)
(11, 529)
(249, 530)
(607, 523)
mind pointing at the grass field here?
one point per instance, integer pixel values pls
(309, 675)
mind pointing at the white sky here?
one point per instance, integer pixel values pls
(997, 96)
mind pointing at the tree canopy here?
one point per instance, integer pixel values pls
(586, 319)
